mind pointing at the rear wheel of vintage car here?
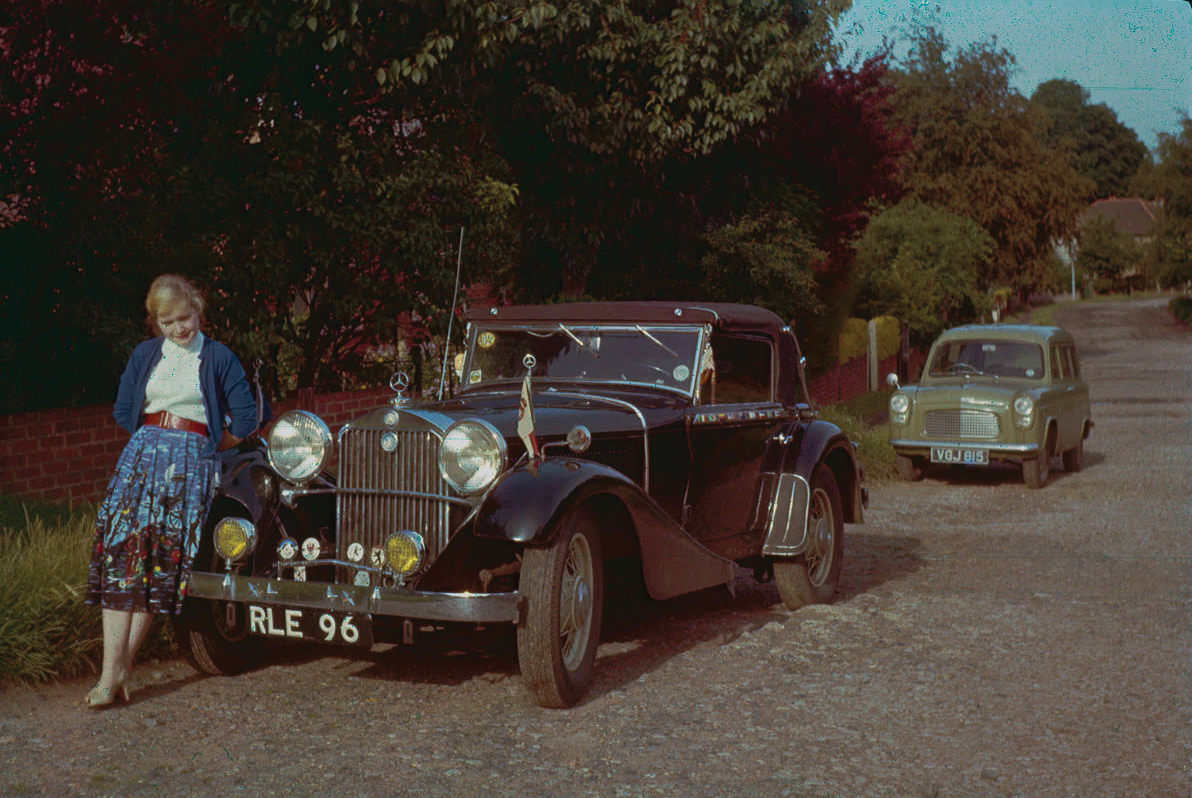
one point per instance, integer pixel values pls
(811, 577)
(564, 588)
(1074, 457)
(910, 469)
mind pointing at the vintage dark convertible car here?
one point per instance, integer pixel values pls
(669, 437)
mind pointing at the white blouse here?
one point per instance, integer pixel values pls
(174, 382)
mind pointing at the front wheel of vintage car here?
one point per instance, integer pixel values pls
(213, 637)
(564, 588)
(811, 577)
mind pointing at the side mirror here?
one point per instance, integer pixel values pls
(892, 380)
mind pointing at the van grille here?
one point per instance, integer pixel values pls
(962, 424)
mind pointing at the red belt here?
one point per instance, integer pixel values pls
(171, 421)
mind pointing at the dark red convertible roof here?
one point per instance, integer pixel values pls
(727, 317)
(748, 318)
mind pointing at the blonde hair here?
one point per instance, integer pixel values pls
(169, 291)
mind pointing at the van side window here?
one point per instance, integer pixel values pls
(1073, 363)
(1057, 371)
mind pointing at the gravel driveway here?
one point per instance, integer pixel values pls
(987, 640)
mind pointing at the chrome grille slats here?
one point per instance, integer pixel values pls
(381, 492)
(962, 424)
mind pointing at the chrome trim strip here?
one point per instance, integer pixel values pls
(640, 417)
(394, 602)
(1002, 448)
(789, 508)
(289, 494)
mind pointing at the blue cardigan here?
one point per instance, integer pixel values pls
(221, 379)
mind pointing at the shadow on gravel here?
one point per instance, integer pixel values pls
(639, 634)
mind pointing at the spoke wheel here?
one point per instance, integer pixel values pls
(811, 578)
(564, 588)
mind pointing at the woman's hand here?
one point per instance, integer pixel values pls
(228, 441)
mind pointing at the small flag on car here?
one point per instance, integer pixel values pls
(525, 420)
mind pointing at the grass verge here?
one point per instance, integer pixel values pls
(46, 631)
(864, 421)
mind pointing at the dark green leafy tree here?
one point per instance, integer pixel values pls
(1105, 253)
(922, 265)
(1169, 179)
(979, 151)
(1105, 152)
(312, 162)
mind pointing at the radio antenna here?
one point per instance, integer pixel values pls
(451, 318)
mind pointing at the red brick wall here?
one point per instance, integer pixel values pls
(68, 454)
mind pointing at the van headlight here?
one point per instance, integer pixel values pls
(900, 406)
(472, 455)
(299, 445)
(1024, 411)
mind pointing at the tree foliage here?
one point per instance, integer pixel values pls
(979, 152)
(922, 265)
(1169, 257)
(1105, 152)
(1103, 251)
(312, 163)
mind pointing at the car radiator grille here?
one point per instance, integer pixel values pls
(962, 424)
(375, 487)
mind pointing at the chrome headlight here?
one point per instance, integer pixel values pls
(299, 445)
(472, 455)
(1024, 411)
(900, 406)
(235, 538)
(404, 552)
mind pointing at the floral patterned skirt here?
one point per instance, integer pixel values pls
(147, 529)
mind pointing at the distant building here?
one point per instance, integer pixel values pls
(1131, 216)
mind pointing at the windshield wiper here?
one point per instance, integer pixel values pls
(646, 333)
(581, 344)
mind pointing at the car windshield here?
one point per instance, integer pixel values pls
(663, 357)
(983, 357)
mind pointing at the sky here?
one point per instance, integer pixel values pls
(1135, 56)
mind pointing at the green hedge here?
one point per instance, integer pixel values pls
(1181, 308)
(854, 338)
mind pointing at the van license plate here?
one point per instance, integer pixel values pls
(956, 455)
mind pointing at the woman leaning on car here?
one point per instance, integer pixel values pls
(175, 394)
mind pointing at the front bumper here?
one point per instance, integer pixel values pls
(376, 601)
(1004, 451)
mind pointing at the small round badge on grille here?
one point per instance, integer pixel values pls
(389, 441)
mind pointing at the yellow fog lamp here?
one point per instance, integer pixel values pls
(404, 552)
(235, 538)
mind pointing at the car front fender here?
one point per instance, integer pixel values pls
(530, 501)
